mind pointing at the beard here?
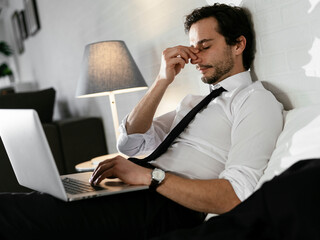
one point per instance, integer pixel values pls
(222, 68)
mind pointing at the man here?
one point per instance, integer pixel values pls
(211, 167)
(217, 162)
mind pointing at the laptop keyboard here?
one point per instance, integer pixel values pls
(75, 186)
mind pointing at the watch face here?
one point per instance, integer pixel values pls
(158, 174)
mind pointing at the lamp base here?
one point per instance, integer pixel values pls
(95, 161)
(90, 165)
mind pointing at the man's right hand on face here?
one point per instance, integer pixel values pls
(173, 60)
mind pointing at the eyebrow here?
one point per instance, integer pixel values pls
(203, 41)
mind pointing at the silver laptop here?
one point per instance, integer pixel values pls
(33, 164)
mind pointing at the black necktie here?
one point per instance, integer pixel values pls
(175, 132)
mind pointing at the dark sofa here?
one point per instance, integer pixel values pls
(72, 140)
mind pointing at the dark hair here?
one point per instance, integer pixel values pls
(233, 22)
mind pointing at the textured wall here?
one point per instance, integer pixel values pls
(53, 56)
(288, 48)
(287, 60)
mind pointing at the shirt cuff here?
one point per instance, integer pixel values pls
(134, 144)
(243, 180)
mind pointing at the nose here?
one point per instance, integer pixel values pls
(198, 60)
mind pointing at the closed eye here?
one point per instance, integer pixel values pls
(204, 48)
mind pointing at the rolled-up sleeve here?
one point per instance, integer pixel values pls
(257, 124)
(142, 144)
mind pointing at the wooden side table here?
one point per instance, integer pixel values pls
(90, 165)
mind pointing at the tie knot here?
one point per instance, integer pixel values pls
(216, 92)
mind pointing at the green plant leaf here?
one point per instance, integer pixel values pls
(5, 70)
(5, 49)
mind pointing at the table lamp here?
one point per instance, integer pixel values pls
(108, 69)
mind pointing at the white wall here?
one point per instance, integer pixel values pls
(53, 56)
(287, 59)
(288, 49)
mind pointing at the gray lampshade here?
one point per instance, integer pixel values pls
(108, 67)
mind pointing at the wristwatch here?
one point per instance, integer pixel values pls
(157, 176)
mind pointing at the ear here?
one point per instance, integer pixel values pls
(240, 45)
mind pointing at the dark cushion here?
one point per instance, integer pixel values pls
(82, 139)
(41, 101)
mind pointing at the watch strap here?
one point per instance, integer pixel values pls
(154, 185)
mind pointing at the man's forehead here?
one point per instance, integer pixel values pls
(203, 30)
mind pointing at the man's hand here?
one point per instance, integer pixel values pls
(174, 59)
(121, 168)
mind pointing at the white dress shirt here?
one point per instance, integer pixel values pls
(232, 138)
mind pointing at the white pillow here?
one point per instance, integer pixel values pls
(299, 140)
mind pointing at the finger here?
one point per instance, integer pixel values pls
(194, 50)
(177, 64)
(184, 56)
(192, 53)
(189, 51)
(184, 52)
(102, 167)
(106, 174)
(99, 170)
(181, 64)
(102, 163)
(177, 60)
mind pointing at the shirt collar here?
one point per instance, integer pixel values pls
(234, 81)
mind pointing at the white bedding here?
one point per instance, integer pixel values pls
(299, 140)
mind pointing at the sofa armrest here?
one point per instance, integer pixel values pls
(81, 139)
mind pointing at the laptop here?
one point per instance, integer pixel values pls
(34, 166)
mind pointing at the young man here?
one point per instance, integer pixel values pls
(211, 167)
(217, 161)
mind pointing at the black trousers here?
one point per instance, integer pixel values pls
(287, 207)
(134, 215)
